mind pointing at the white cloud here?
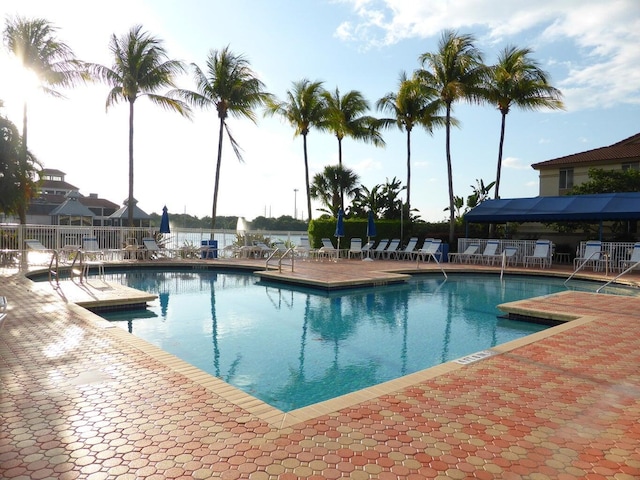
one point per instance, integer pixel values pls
(605, 36)
(514, 163)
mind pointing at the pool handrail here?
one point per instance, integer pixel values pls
(618, 276)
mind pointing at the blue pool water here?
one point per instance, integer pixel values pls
(292, 347)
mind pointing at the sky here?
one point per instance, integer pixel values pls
(588, 47)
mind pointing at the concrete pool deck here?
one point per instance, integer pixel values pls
(82, 399)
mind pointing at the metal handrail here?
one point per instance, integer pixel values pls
(618, 276)
(54, 272)
(582, 265)
(288, 253)
(435, 259)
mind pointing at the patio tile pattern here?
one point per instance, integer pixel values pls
(80, 400)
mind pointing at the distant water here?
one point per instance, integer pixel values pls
(180, 239)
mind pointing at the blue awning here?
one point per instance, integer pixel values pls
(567, 208)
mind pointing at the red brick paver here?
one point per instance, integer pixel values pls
(78, 400)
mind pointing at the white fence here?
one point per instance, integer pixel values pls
(59, 237)
(614, 253)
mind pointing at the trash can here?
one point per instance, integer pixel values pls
(209, 249)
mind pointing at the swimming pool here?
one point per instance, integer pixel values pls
(292, 347)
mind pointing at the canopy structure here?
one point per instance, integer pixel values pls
(567, 208)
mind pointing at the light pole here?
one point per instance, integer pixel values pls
(295, 203)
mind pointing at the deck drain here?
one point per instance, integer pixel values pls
(474, 357)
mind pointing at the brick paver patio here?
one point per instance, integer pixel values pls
(80, 399)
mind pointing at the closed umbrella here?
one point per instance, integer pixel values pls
(371, 231)
(340, 228)
(164, 221)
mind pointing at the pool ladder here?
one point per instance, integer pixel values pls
(281, 258)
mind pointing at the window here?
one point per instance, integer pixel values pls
(566, 179)
(631, 166)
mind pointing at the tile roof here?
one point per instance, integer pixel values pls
(625, 150)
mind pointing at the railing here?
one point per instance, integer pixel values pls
(525, 248)
(635, 265)
(585, 262)
(280, 256)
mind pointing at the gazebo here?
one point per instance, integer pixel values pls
(72, 212)
(120, 218)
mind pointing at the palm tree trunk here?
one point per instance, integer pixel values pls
(130, 202)
(22, 204)
(306, 176)
(217, 180)
(452, 213)
(408, 170)
(340, 164)
(504, 120)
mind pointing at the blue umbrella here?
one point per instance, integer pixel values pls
(371, 232)
(164, 222)
(340, 228)
(371, 225)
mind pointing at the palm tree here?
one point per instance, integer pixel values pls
(230, 86)
(34, 44)
(345, 118)
(329, 185)
(17, 178)
(140, 67)
(517, 80)
(456, 71)
(303, 109)
(415, 103)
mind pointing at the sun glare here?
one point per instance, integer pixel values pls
(17, 85)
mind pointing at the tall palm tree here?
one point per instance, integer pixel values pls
(329, 185)
(304, 108)
(17, 178)
(517, 80)
(415, 103)
(141, 67)
(456, 71)
(34, 44)
(346, 118)
(230, 86)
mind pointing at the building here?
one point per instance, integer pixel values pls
(559, 175)
(60, 203)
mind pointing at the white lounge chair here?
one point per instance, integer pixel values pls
(408, 252)
(541, 254)
(367, 248)
(43, 255)
(490, 251)
(92, 256)
(431, 250)
(379, 250)
(304, 248)
(592, 256)
(392, 249)
(633, 260)
(464, 257)
(355, 249)
(327, 249)
(153, 250)
(3, 310)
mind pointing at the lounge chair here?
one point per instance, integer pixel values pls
(541, 254)
(408, 252)
(633, 260)
(379, 250)
(592, 256)
(92, 256)
(356, 248)
(490, 251)
(509, 254)
(327, 249)
(153, 250)
(464, 257)
(366, 249)
(392, 249)
(430, 250)
(3, 310)
(304, 248)
(43, 254)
